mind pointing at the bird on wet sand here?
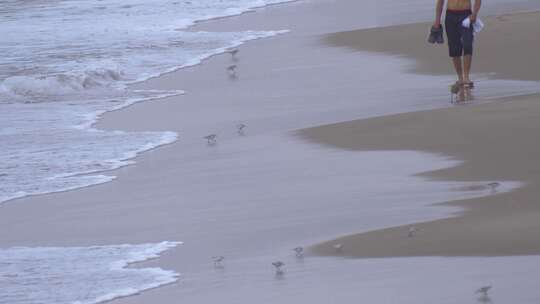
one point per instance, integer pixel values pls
(484, 290)
(494, 186)
(299, 251)
(218, 260)
(240, 128)
(338, 247)
(412, 232)
(211, 138)
(278, 265)
(232, 70)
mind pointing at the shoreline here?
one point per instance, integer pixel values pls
(482, 135)
(491, 46)
(94, 122)
(142, 205)
(497, 225)
(98, 124)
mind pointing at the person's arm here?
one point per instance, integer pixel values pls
(438, 13)
(476, 10)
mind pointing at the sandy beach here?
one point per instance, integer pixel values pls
(492, 49)
(296, 177)
(495, 142)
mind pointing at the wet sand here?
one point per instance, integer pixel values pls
(148, 203)
(496, 141)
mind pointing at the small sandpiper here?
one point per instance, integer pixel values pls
(218, 260)
(232, 70)
(278, 265)
(299, 252)
(338, 247)
(484, 290)
(240, 128)
(412, 232)
(494, 186)
(211, 138)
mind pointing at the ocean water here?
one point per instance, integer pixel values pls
(254, 198)
(82, 275)
(375, 281)
(64, 63)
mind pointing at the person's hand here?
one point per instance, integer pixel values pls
(436, 24)
(473, 18)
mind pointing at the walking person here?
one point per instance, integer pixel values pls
(460, 38)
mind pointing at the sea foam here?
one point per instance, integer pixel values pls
(83, 275)
(54, 85)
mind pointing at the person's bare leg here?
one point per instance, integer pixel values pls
(459, 68)
(467, 62)
(459, 71)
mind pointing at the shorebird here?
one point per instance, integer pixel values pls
(240, 128)
(484, 291)
(232, 70)
(211, 138)
(278, 265)
(494, 186)
(299, 252)
(338, 247)
(412, 232)
(217, 260)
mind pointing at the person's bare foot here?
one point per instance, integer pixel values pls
(468, 84)
(461, 96)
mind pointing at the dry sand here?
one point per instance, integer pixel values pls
(497, 141)
(142, 205)
(507, 48)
